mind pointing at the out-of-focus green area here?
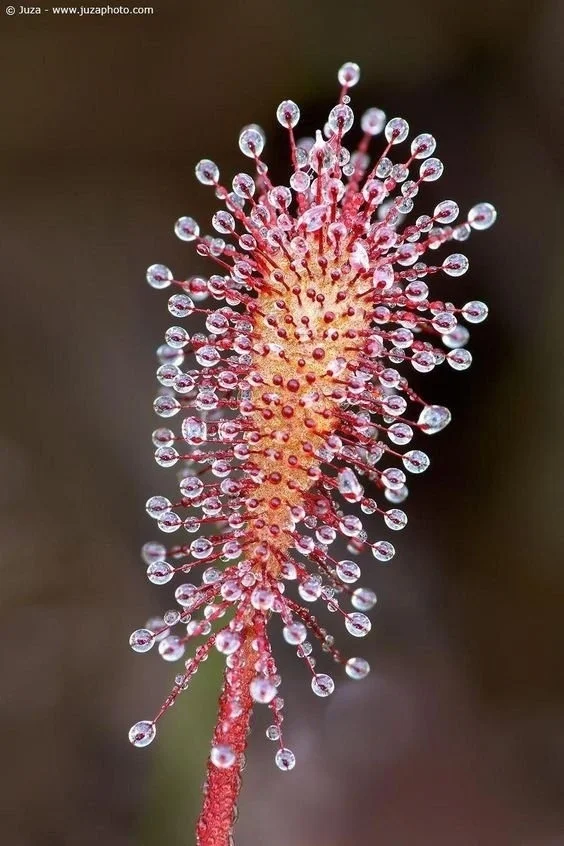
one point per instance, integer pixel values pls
(457, 737)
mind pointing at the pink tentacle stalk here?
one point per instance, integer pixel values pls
(296, 412)
(223, 778)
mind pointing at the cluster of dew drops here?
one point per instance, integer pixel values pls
(354, 209)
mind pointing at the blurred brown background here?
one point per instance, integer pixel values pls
(457, 739)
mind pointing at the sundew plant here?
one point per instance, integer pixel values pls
(295, 415)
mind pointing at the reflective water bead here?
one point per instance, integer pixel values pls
(141, 640)
(217, 323)
(457, 338)
(395, 519)
(142, 733)
(169, 522)
(393, 478)
(373, 121)
(167, 373)
(171, 648)
(349, 74)
(166, 355)
(207, 356)
(397, 130)
(162, 437)
(415, 461)
(383, 551)
(322, 684)
(201, 548)
(152, 551)
(194, 430)
(357, 668)
(222, 756)
(186, 228)
(262, 690)
(180, 305)
(433, 419)
(191, 487)
(262, 598)
(446, 212)
(475, 311)
(156, 506)
(300, 181)
(400, 433)
(455, 264)
(444, 322)
(363, 599)
(294, 633)
(347, 571)
(482, 216)
(288, 113)
(357, 624)
(159, 276)
(244, 185)
(207, 172)
(160, 572)
(251, 143)
(341, 118)
(223, 222)
(185, 594)
(285, 759)
(423, 145)
(166, 456)
(459, 359)
(166, 406)
(423, 361)
(431, 170)
(227, 642)
(273, 732)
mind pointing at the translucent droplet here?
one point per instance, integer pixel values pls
(373, 121)
(194, 430)
(142, 733)
(341, 118)
(363, 599)
(357, 624)
(395, 519)
(383, 551)
(288, 113)
(207, 172)
(475, 311)
(294, 633)
(348, 571)
(455, 264)
(169, 522)
(180, 305)
(166, 406)
(160, 572)
(322, 684)
(433, 419)
(415, 461)
(357, 668)
(156, 506)
(262, 690)
(201, 548)
(482, 216)
(227, 642)
(159, 276)
(222, 756)
(397, 130)
(459, 359)
(285, 759)
(141, 640)
(171, 648)
(431, 170)
(423, 145)
(251, 142)
(446, 212)
(273, 732)
(207, 356)
(349, 74)
(186, 229)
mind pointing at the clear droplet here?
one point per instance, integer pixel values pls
(357, 668)
(357, 624)
(322, 684)
(159, 276)
(142, 733)
(285, 759)
(222, 756)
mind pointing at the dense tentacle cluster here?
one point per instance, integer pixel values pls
(295, 409)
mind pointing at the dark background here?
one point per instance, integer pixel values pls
(457, 738)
